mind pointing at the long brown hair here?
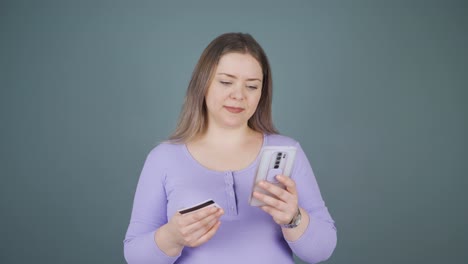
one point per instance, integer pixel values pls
(193, 119)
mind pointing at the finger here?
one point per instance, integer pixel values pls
(288, 182)
(208, 235)
(196, 216)
(206, 222)
(271, 201)
(280, 217)
(280, 193)
(192, 237)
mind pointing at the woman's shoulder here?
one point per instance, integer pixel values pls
(280, 140)
(166, 150)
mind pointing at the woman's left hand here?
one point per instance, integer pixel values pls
(284, 206)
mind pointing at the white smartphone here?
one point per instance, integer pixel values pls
(274, 160)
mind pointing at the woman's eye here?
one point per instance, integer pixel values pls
(252, 87)
(225, 83)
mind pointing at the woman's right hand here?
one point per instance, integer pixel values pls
(192, 230)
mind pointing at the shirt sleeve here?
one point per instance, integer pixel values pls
(319, 239)
(148, 214)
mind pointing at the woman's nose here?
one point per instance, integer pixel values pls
(237, 92)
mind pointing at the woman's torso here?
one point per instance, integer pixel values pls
(246, 232)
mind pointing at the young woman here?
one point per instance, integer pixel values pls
(214, 154)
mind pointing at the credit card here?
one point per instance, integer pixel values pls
(199, 206)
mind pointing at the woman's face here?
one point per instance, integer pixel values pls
(235, 91)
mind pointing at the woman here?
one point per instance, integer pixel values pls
(213, 154)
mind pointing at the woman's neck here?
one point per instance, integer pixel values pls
(227, 136)
(226, 150)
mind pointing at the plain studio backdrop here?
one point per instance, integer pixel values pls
(375, 91)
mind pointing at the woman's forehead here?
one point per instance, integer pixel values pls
(239, 65)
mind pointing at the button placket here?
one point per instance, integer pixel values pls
(230, 194)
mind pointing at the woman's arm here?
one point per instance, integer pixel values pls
(151, 238)
(318, 239)
(314, 238)
(148, 215)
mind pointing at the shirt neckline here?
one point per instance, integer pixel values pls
(201, 166)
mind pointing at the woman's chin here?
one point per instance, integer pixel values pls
(234, 124)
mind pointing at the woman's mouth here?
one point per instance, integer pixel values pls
(234, 110)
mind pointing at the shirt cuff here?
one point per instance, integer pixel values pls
(317, 243)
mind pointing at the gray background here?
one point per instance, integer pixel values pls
(375, 92)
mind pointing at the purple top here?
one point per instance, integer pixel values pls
(172, 179)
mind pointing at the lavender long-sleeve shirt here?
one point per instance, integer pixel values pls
(172, 179)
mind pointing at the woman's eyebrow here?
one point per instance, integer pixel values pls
(233, 76)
